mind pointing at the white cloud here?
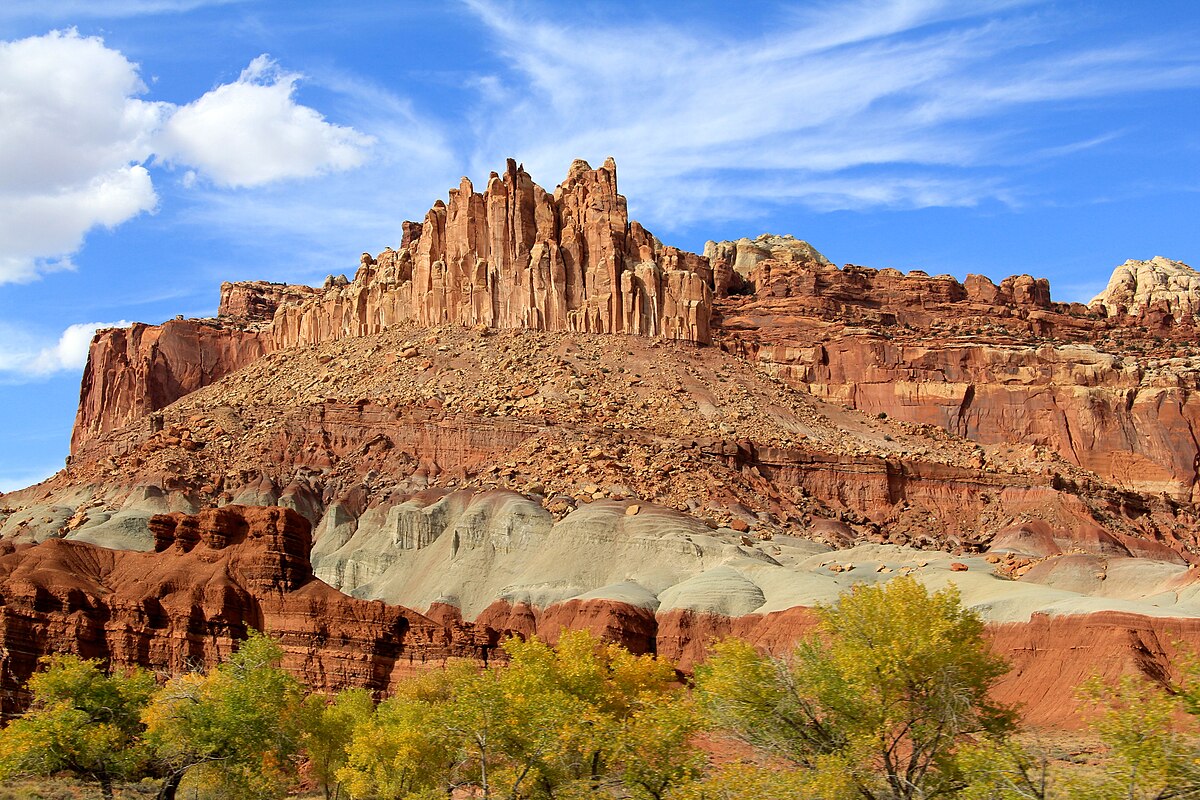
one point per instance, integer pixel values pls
(252, 131)
(23, 356)
(75, 137)
(858, 104)
(72, 137)
(325, 223)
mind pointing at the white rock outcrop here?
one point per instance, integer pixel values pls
(1137, 285)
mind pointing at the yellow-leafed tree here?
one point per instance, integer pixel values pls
(878, 703)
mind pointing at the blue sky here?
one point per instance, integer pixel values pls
(150, 149)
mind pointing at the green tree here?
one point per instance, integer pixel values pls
(654, 748)
(238, 727)
(578, 706)
(327, 730)
(572, 720)
(882, 700)
(1003, 769)
(81, 721)
(405, 749)
(1151, 747)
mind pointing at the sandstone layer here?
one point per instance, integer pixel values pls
(134, 371)
(657, 581)
(210, 578)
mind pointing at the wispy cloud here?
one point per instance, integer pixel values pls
(897, 104)
(101, 9)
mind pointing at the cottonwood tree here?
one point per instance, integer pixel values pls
(236, 728)
(404, 749)
(1152, 752)
(82, 721)
(574, 720)
(654, 749)
(878, 704)
(327, 731)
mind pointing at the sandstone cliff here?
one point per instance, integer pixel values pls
(133, 371)
(993, 363)
(251, 303)
(515, 256)
(1137, 286)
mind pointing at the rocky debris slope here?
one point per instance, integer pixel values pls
(345, 431)
(1160, 283)
(515, 256)
(210, 578)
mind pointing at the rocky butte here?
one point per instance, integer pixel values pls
(515, 256)
(530, 414)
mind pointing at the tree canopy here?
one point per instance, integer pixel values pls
(880, 701)
(552, 722)
(238, 726)
(82, 721)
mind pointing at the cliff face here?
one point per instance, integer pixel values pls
(517, 256)
(251, 303)
(993, 363)
(212, 577)
(133, 371)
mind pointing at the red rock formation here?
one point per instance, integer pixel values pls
(249, 302)
(517, 256)
(1049, 657)
(213, 576)
(1100, 412)
(133, 371)
(973, 358)
(633, 627)
(512, 257)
